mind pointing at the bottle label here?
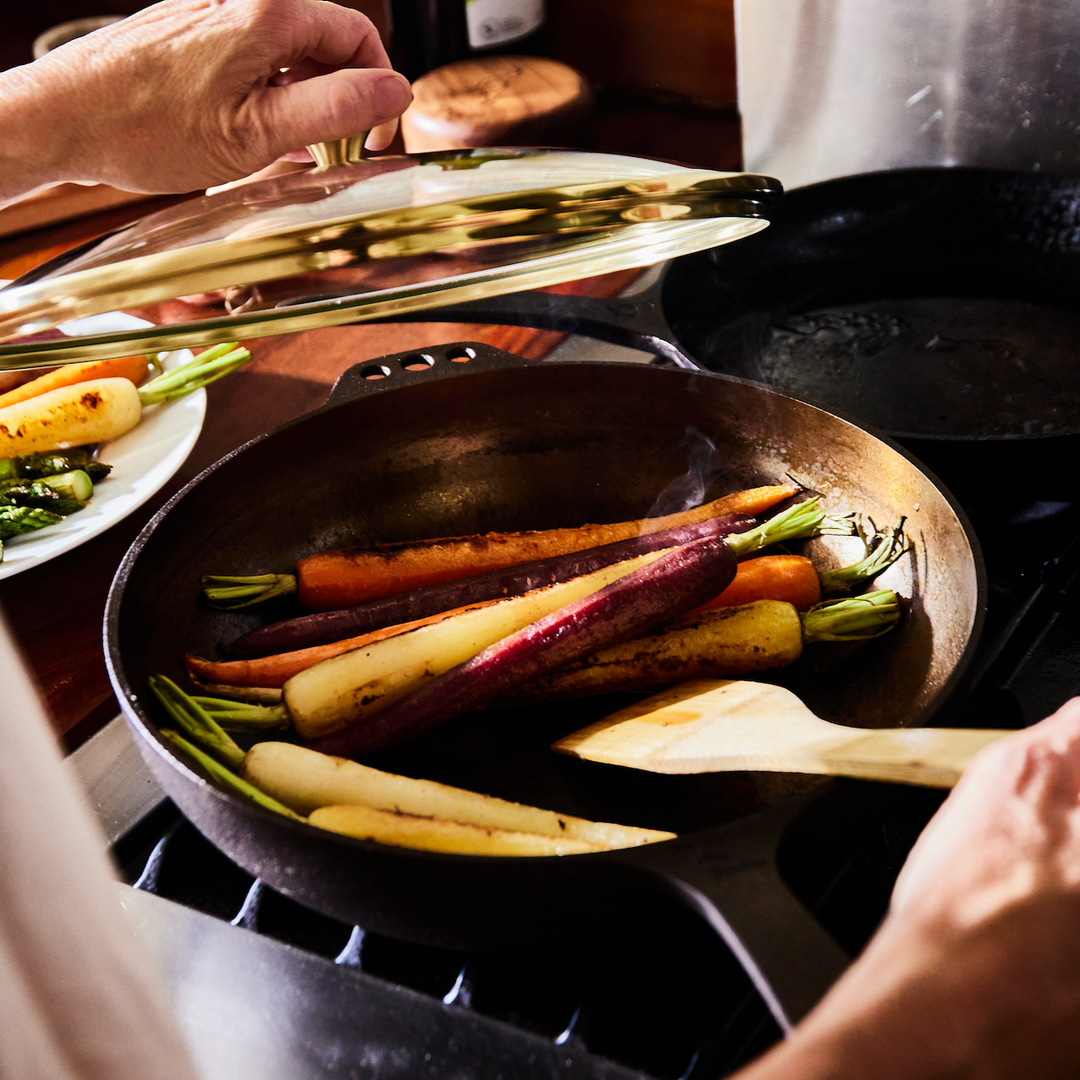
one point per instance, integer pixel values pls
(499, 22)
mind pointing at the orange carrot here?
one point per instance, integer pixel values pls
(124, 367)
(274, 671)
(347, 576)
(791, 578)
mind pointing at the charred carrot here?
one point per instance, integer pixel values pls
(359, 700)
(103, 408)
(636, 601)
(132, 368)
(273, 670)
(346, 576)
(325, 627)
(719, 644)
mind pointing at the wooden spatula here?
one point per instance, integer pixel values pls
(719, 725)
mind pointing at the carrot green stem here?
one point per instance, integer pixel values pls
(218, 774)
(798, 522)
(205, 718)
(230, 592)
(243, 715)
(866, 616)
(881, 552)
(196, 721)
(204, 369)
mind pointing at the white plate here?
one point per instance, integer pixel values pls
(143, 461)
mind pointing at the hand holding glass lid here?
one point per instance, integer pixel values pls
(183, 95)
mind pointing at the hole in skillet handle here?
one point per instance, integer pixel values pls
(419, 365)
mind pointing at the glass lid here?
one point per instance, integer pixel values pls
(349, 242)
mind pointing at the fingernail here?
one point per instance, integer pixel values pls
(390, 94)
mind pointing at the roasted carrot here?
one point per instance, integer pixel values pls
(133, 368)
(791, 578)
(275, 670)
(100, 409)
(795, 580)
(718, 644)
(347, 576)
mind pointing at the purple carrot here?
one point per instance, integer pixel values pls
(656, 593)
(324, 627)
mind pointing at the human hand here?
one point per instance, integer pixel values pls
(976, 970)
(1007, 837)
(187, 94)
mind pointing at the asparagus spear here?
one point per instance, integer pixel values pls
(63, 494)
(16, 520)
(53, 463)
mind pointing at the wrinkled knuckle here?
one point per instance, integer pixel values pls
(242, 145)
(348, 105)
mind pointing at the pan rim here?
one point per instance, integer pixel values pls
(403, 380)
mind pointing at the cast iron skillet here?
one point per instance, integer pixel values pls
(476, 440)
(932, 304)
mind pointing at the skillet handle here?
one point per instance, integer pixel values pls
(730, 877)
(634, 320)
(419, 365)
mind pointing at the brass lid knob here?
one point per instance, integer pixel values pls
(339, 152)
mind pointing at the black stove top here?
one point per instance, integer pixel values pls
(668, 1002)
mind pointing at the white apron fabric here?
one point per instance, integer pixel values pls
(79, 998)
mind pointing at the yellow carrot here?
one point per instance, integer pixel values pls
(305, 780)
(435, 834)
(132, 368)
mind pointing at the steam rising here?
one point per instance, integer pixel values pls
(689, 489)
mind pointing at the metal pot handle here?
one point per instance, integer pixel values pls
(730, 877)
(437, 361)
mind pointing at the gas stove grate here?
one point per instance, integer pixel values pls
(672, 1004)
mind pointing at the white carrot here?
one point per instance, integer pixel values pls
(103, 409)
(88, 412)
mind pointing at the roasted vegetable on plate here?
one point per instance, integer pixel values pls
(50, 429)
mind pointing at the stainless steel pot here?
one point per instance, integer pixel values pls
(834, 87)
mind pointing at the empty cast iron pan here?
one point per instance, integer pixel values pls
(932, 304)
(480, 440)
(937, 303)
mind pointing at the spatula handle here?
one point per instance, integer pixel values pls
(932, 757)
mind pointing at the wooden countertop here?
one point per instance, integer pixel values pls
(56, 610)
